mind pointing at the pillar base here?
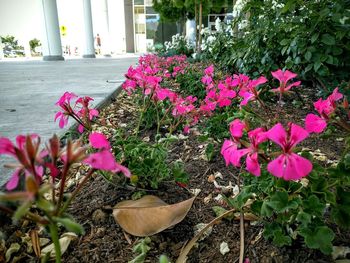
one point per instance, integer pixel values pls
(89, 56)
(52, 58)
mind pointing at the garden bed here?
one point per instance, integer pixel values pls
(105, 241)
(208, 175)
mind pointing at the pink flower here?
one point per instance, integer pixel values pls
(288, 165)
(233, 155)
(209, 70)
(98, 140)
(206, 80)
(325, 109)
(225, 95)
(104, 159)
(240, 80)
(236, 128)
(228, 149)
(249, 91)
(65, 99)
(314, 123)
(284, 77)
(27, 153)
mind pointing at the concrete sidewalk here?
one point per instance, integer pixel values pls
(29, 90)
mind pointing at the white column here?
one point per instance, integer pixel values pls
(191, 31)
(89, 49)
(105, 38)
(52, 47)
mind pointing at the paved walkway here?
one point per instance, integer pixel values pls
(29, 90)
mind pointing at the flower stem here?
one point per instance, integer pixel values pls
(55, 240)
(77, 190)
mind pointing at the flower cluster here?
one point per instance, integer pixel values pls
(288, 165)
(326, 109)
(81, 111)
(247, 89)
(35, 162)
(148, 76)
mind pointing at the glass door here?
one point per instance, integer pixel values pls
(140, 29)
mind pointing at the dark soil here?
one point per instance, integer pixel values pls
(105, 241)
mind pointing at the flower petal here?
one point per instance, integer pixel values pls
(98, 141)
(297, 167)
(314, 123)
(297, 134)
(236, 128)
(277, 134)
(276, 167)
(227, 150)
(13, 182)
(253, 165)
(7, 147)
(103, 160)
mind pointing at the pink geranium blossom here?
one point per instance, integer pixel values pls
(233, 155)
(26, 151)
(249, 91)
(284, 77)
(104, 159)
(236, 128)
(288, 165)
(325, 108)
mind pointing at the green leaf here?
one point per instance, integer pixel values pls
(308, 55)
(280, 203)
(309, 67)
(280, 239)
(337, 51)
(163, 259)
(317, 65)
(328, 39)
(70, 225)
(285, 42)
(22, 210)
(347, 161)
(313, 206)
(330, 197)
(303, 218)
(341, 211)
(242, 197)
(218, 210)
(321, 238)
(266, 210)
(45, 205)
(314, 37)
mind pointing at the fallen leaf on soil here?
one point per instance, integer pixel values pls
(224, 249)
(35, 242)
(195, 191)
(199, 227)
(65, 240)
(258, 237)
(340, 252)
(137, 217)
(13, 249)
(208, 199)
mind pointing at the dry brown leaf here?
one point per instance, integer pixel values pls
(35, 242)
(149, 215)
